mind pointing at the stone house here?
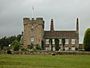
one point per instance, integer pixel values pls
(35, 34)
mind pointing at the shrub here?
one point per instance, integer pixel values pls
(87, 40)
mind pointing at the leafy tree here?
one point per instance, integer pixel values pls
(5, 41)
(63, 42)
(15, 45)
(56, 44)
(38, 47)
(30, 46)
(18, 37)
(42, 45)
(87, 40)
(11, 39)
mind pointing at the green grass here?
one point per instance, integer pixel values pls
(44, 61)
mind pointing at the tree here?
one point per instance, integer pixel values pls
(38, 47)
(56, 44)
(42, 45)
(63, 42)
(87, 40)
(15, 45)
(18, 37)
(11, 39)
(5, 41)
(30, 46)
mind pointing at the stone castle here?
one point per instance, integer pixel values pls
(34, 34)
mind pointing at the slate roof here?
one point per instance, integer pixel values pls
(60, 34)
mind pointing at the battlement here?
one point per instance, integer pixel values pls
(39, 18)
(26, 18)
(33, 19)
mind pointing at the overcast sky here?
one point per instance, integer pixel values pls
(64, 13)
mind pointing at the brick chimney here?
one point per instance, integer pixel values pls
(51, 26)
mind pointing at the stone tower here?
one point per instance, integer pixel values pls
(33, 31)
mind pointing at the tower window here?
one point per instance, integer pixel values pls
(32, 39)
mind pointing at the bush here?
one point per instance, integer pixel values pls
(87, 40)
(15, 45)
(38, 47)
(9, 52)
(30, 46)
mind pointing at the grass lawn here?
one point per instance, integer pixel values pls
(44, 61)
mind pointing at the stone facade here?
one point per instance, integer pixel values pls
(34, 33)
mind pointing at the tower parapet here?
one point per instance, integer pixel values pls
(26, 20)
(39, 18)
(40, 21)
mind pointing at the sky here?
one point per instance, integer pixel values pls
(63, 12)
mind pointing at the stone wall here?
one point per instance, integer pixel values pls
(47, 52)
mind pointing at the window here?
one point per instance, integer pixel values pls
(32, 39)
(60, 41)
(73, 41)
(47, 41)
(66, 41)
(53, 42)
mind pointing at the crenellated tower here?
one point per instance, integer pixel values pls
(33, 31)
